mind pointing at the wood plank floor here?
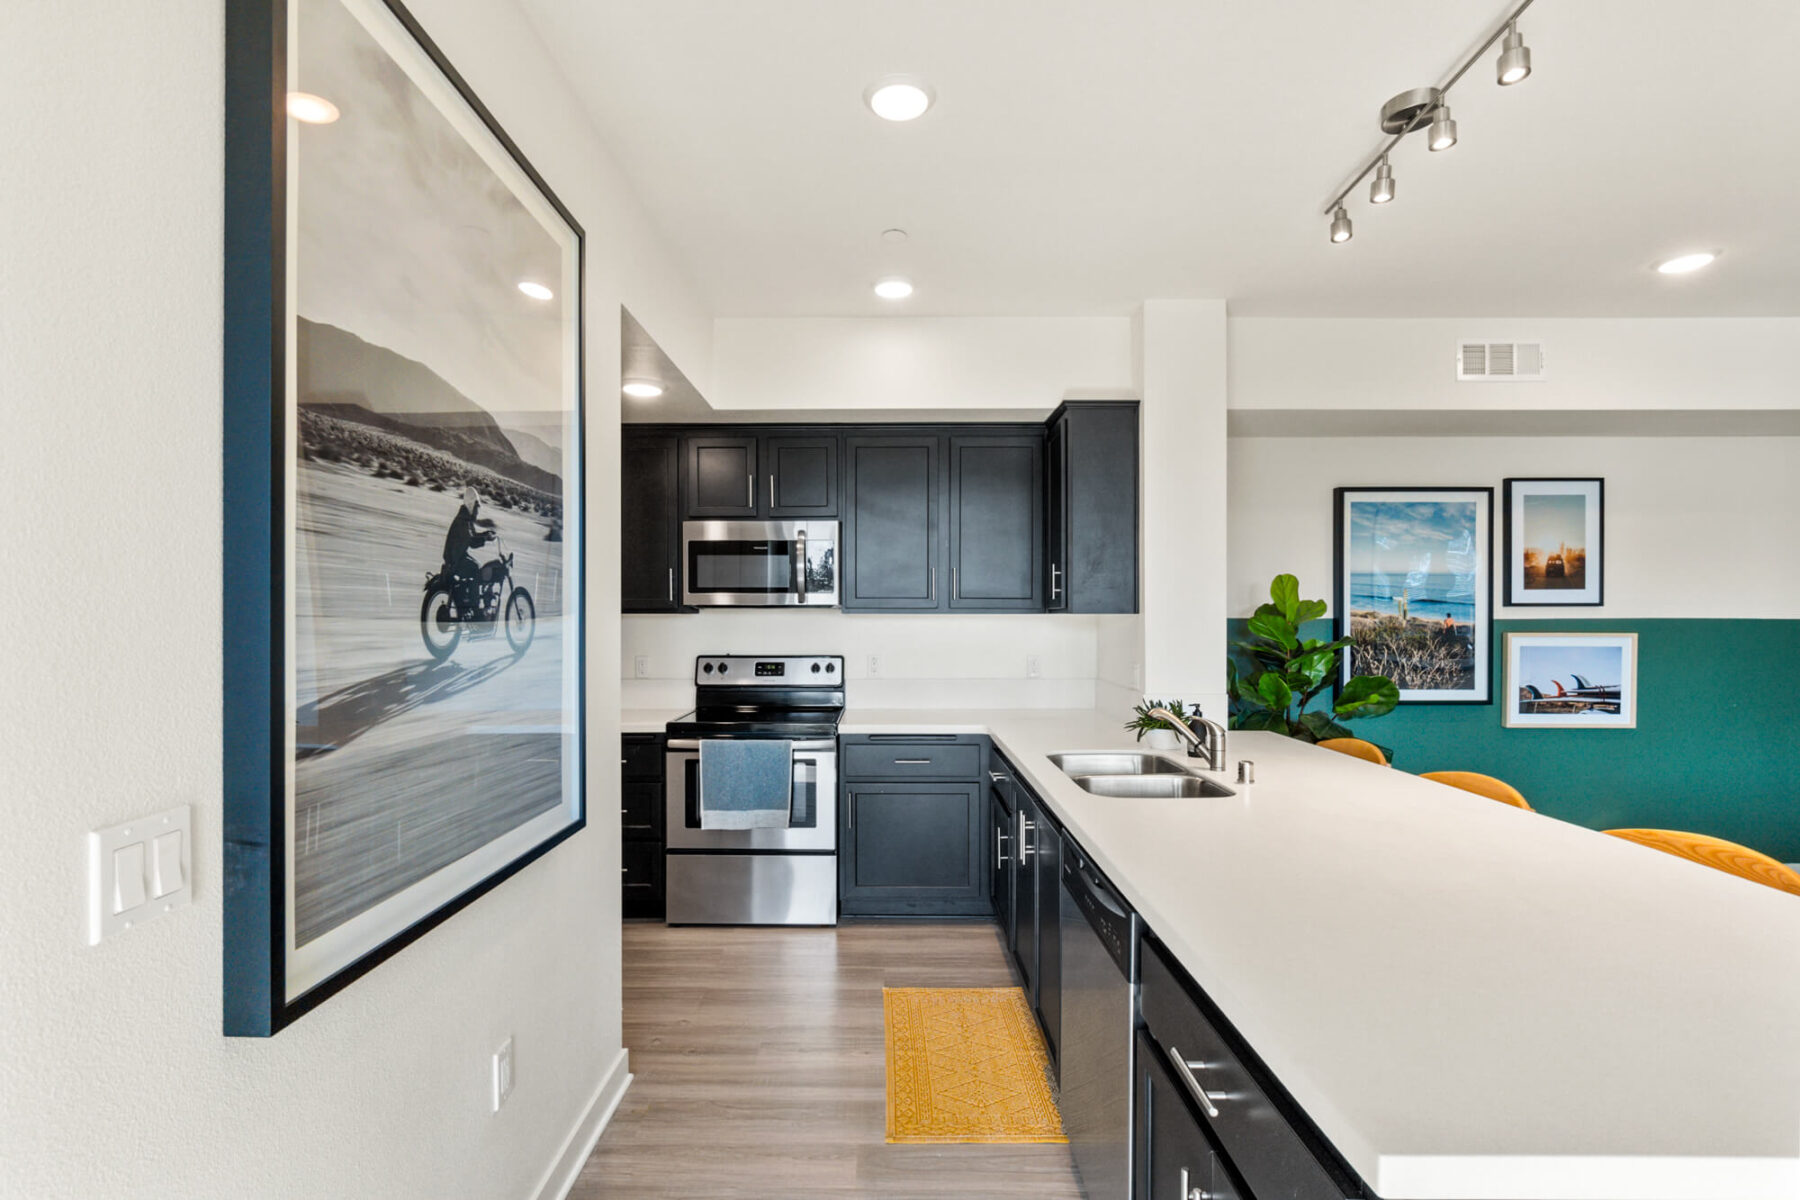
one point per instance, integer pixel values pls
(761, 1069)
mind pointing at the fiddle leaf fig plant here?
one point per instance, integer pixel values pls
(1291, 671)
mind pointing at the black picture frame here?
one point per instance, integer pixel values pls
(1513, 591)
(256, 453)
(1481, 591)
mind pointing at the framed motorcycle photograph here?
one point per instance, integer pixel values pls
(403, 473)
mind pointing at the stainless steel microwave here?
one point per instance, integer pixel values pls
(744, 563)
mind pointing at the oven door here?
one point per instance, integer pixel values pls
(812, 817)
(759, 563)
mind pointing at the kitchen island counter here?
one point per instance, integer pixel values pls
(1468, 999)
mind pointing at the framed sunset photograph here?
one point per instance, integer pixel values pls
(1571, 680)
(1414, 587)
(1554, 531)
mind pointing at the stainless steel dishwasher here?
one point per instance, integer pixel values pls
(1099, 978)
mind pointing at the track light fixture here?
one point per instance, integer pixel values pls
(1428, 108)
(1443, 129)
(1515, 57)
(1382, 190)
(1340, 225)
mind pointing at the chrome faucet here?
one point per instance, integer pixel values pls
(1211, 747)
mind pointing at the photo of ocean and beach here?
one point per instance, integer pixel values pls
(1571, 681)
(1413, 576)
(431, 394)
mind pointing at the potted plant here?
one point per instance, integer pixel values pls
(1160, 733)
(1292, 671)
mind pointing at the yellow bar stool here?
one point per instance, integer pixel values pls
(1481, 785)
(1356, 748)
(1718, 854)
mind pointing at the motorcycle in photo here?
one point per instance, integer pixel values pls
(455, 607)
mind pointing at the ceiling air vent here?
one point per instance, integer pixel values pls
(1491, 362)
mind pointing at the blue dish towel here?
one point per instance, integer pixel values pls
(745, 785)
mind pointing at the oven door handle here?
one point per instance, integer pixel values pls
(692, 745)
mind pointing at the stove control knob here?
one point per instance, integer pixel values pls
(830, 668)
(815, 668)
(724, 667)
(707, 668)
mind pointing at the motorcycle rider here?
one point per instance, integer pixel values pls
(458, 563)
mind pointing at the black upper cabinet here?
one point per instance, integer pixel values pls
(891, 514)
(736, 475)
(799, 476)
(1092, 453)
(651, 522)
(997, 523)
(721, 475)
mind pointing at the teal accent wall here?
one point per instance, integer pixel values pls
(1716, 749)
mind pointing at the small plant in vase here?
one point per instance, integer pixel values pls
(1160, 732)
(1291, 671)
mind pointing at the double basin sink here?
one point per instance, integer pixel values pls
(1134, 773)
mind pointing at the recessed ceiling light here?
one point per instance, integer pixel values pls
(642, 389)
(1686, 262)
(898, 98)
(536, 291)
(893, 288)
(314, 110)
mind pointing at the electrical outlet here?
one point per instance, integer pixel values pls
(640, 666)
(1034, 666)
(503, 1073)
(874, 665)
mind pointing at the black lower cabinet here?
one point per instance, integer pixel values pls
(1046, 863)
(1173, 1158)
(912, 849)
(641, 824)
(1001, 830)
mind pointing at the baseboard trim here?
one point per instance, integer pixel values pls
(561, 1176)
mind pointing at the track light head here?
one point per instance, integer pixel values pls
(1340, 225)
(1515, 58)
(1382, 190)
(1443, 130)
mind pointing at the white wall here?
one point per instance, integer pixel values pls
(926, 660)
(987, 363)
(1695, 527)
(1592, 364)
(117, 1082)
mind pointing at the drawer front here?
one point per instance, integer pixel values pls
(641, 810)
(1174, 1158)
(1262, 1145)
(904, 761)
(642, 755)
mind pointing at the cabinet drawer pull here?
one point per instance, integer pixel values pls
(1191, 1193)
(997, 776)
(912, 762)
(1184, 1071)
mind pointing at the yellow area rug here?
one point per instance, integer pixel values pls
(966, 1065)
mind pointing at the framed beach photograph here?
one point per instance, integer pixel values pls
(1554, 541)
(1571, 680)
(403, 502)
(1413, 589)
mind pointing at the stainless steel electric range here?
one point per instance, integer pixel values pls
(769, 876)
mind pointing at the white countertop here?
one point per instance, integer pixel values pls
(1469, 1000)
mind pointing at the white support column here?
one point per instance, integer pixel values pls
(1178, 351)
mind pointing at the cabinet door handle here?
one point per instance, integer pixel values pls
(671, 585)
(750, 490)
(996, 776)
(1055, 581)
(1191, 1193)
(771, 491)
(955, 584)
(1025, 846)
(1184, 1071)
(999, 847)
(912, 762)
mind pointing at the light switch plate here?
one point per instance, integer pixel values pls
(157, 851)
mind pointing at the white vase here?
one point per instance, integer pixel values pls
(1162, 739)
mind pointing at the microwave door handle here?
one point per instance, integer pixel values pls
(800, 563)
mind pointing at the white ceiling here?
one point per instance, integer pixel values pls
(1082, 156)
